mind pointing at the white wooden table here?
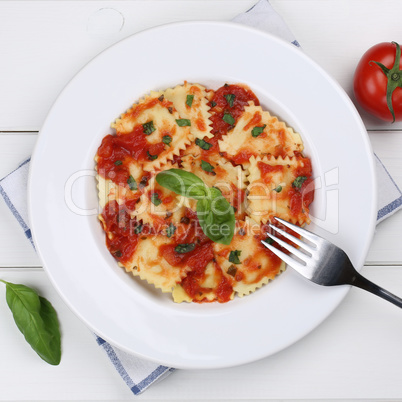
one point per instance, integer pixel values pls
(356, 354)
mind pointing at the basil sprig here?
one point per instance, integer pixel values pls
(215, 214)
(36, 319)
(189, 100)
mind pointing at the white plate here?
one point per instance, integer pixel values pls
(122, 309)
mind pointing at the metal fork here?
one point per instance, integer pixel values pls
(322, 262)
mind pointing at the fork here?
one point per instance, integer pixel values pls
(322, 262)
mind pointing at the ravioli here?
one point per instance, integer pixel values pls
(226, 139)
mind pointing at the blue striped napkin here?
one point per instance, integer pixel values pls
(139, 374)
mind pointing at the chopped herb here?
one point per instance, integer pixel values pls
(269, 240)
(226, 85)
(213, 104)
(167, 139)
(203, 144)
(184, 248)
(148, 128)
(161, 98)
(241, 232)
(256, 131)
(230, 99)
(155, 199)
(138, 228)
(170, 109)
(189, 100)
(131, 183)
(185, 220)
(299, 181)
(118, 254)
(151, 157)
(170, 230)
(117, 163)
(234, 256)
(183, 122)
(278, 188)
(228, 118)
(143, 182)
(206, 166)
(232, 270)
(168, 215)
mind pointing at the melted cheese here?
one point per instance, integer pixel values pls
(149, 265)
(256, 265)
(164, 118)
(194, 94)
(270, 192)
(274, 139)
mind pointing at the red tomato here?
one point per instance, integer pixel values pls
(377, 77)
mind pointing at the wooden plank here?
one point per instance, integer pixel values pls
(36, 65)
(353, 355)
(336, 34)
(45, 49)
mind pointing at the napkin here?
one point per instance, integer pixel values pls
(139, 374)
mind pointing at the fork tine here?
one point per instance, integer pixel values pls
(284, 257)
(302, 232)
(290, 248)
(295, 240)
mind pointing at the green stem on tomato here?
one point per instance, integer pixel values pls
(394, 78)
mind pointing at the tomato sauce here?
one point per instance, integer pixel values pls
(266, 169)
(119, 225)
(117, 151)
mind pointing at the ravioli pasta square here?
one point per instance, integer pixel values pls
(228, 152)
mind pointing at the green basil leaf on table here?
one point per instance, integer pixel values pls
(36, 319)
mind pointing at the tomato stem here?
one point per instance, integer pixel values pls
(394, 79)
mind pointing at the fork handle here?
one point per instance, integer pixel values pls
(363, 283)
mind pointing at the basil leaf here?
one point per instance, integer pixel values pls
(167, 139)
(216, 217)
(234, 256)
(228, 118)
(118, 163)
(232, 270)
(151, 157)
(297, 183)
(183, 122)
(256, 131)
(131, 183)
(184, 248)
(206, 166)
(189, 100)
(148, 128)
(215, 214)
(269, 240)
(213, 104)
(182, 182)
(278, 188)
(170, 230)
(138, 228)
(230, 99)
(203, 144)
(36, 319)
(155, 199)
